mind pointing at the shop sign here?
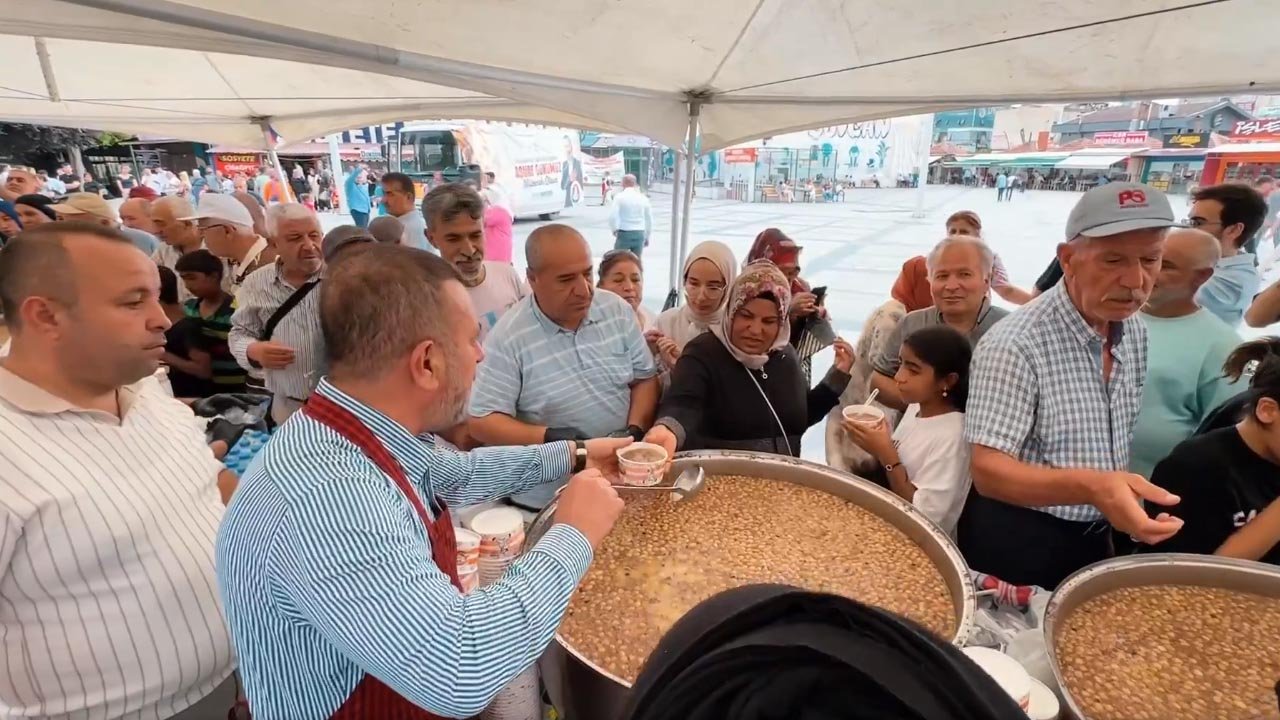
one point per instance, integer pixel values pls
(231, 163)
(1187, 140)
(740, 155)
(1120, 137)
(1257, 129)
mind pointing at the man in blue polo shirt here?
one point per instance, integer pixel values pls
(564, 363)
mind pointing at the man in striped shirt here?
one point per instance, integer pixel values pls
(109, 497)
(336, 560)
(292, 354)
(564, 363)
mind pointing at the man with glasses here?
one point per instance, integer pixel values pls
(226, 227)
(1232, 213)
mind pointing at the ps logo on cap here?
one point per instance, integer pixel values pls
(1119, 207)
(1132, 198)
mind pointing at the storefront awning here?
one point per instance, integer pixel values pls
(1091, 162)
(1010, 160)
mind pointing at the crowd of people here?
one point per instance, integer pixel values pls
(1116, 411)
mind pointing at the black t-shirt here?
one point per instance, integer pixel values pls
(1049, 277)
(1222, 485)
(180, 339)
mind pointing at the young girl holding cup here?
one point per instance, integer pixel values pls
(926, 459)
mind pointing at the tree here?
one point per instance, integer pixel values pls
(21, 142)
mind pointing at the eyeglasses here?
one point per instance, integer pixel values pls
(1199, 222)
(206, 228)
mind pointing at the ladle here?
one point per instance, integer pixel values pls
(688, 484)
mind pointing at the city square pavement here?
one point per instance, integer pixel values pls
(856, 248)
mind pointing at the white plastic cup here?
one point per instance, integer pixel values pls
(521, 699)
(644, 472)
(468, 549)
(863, 414)
(1008, 674)
(1044, 704)
(501, 532)
(469, 579)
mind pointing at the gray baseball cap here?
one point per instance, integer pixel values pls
(342, 236)
(1119, 207)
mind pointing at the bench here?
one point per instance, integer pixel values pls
(769, 193)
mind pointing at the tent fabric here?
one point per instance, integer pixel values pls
(1091, 162)
(212, 70)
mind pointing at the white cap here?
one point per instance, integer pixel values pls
(217, 206)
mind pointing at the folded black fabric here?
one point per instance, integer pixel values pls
(772, 652)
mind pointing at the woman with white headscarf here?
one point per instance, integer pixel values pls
(740, 386)
(709, 271)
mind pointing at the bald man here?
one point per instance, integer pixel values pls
(112, 499)
(1187, 346)
(136, 213)
(631, 218)
(565, 363)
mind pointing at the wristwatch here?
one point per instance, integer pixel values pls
(579, 457)
(632, 431)
(889, 467)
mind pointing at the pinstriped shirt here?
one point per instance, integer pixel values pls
(259, 296)
(108, 600)
(326, 572)
(1037, 392)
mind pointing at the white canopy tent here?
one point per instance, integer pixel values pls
(733, 70)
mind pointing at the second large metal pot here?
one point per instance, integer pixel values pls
(580, 690)
(1147, 570)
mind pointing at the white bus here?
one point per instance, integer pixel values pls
(537, 169)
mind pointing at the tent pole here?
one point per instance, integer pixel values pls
(926, 144)
(690, 158)
(673, 292)
(335, 169)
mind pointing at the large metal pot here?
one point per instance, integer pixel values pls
(1144, 570)
(580, 690)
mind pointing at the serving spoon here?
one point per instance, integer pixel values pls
(689, 483)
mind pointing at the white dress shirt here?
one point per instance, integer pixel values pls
(108, 600)
(631, 211)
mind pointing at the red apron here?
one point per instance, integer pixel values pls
(371, 698)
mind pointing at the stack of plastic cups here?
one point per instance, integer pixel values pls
(501, 533)
(468, 559)
(519, 700)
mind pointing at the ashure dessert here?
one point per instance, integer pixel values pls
(663, 558)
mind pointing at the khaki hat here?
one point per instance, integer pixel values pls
(83, 203)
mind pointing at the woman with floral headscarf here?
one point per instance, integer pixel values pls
(739, 386)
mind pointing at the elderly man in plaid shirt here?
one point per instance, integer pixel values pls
(1056, 389)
